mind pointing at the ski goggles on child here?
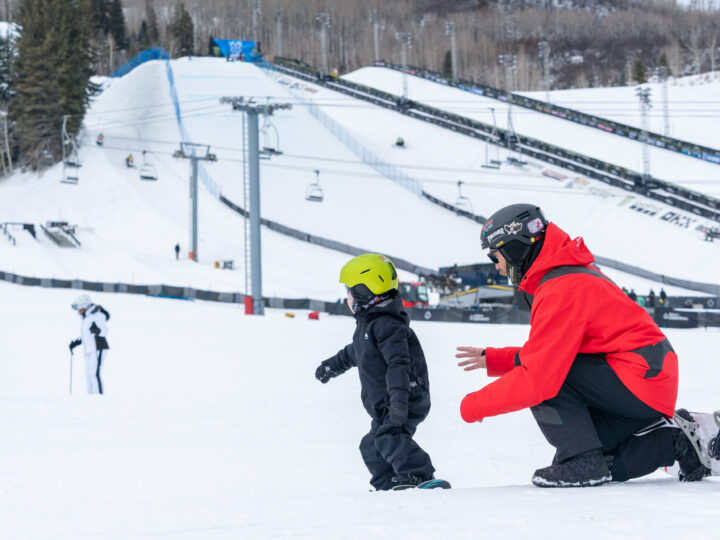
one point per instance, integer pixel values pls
(492, 257)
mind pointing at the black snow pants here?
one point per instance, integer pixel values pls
(595, 410)
(390, 450)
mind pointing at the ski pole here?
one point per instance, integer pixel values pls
(71, 360)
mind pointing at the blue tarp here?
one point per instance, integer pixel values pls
(236, 47)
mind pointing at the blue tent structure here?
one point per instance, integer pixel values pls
(239, 49)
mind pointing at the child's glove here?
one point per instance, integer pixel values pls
(323, 373)
(397, 414)
(74, 343)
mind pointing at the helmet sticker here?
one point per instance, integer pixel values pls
(495, 234)
(514, 227)
(486, 227)
(536, 225)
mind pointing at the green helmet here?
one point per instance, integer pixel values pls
(369, 275)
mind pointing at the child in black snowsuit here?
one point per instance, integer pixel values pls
(393, 376)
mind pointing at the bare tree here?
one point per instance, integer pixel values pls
(605, 34)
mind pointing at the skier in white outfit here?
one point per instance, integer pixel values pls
(93, 337)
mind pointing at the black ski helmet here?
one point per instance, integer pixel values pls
(516, 231)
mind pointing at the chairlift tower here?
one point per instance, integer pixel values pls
(509, 62)
(256, 8)
(643, 95)
(492, 164)
(544, 54)
(375, 25)
(662, 73)
(450, 31)
(251, 178)
(405, 38)
(324, 19)
(278, 32)
(194, 152)
(195, 9)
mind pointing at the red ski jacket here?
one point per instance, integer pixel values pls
(576, 309)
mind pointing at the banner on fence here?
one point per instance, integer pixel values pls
(239, 49)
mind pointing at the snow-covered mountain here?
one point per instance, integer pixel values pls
(212, 425)
(128, 227)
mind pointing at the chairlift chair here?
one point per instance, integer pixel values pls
(314, 192)
(462, 202)
(147, 171)
(70, 177)
(271, 139)
(70, 171)
(46, 159)
(70, 156)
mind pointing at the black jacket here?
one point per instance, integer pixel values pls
(388, 356)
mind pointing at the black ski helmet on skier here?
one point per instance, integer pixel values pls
(517, 232)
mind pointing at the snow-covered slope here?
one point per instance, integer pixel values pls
(671, 166)
(213, 426)
(693, 108)
(128, 227)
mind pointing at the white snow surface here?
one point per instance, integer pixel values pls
(693, 107)
(213, 426)
(690, 172)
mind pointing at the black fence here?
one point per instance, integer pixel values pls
(673, 318)
(484, 314)
(666, 192)
(489, 315)
(686, 148)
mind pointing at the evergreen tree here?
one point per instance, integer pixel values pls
(664, 63)
(447, 64)
(183, 31)
(50, 75)
(6, 56)
(100, 16)
(153, 34)
(638, 72)
(142, 38)
(116, 24)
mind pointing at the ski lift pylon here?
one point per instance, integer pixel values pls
(314, 192)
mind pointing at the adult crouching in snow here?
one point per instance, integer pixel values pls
(597, 373)
(93, 338)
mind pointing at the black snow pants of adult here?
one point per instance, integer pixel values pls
(595, 410)
(390, 450)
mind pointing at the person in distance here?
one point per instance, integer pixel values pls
(93, 338)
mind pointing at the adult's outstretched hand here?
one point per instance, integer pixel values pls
(475, 358)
